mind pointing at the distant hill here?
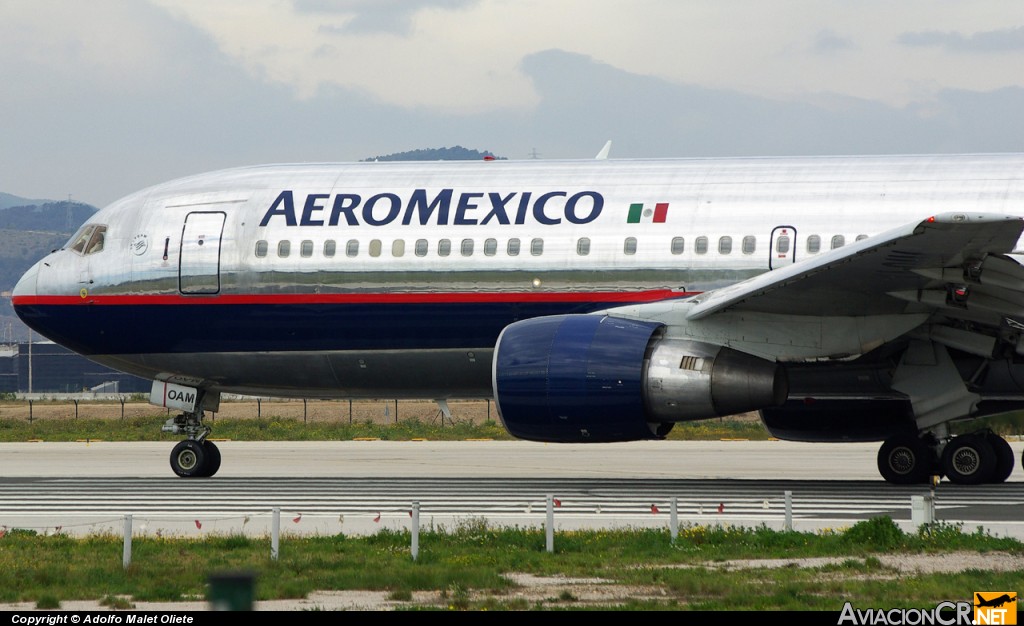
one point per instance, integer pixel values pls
(29, 232)
(54, 217)
(455, 153)
(8, 200)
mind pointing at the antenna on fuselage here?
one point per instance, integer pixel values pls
(603, 154)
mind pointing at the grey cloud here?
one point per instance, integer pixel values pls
(1009, 39)
(828, 42)
(375, 16)
(584, 102)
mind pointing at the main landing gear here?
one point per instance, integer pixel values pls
(195, 457)
(977, 458)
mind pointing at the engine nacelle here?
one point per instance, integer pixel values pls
(593, 378)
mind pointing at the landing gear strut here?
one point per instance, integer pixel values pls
(195, 457)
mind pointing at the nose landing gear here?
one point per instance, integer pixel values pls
(195, 457)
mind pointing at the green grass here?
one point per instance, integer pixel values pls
(463, 567)
(276, 428)
(286, 429)
(263, 429)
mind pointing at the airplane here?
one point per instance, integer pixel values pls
(844, 298)
(994, 602)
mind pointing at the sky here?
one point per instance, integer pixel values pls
(101, 98)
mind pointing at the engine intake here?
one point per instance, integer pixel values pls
(593, 378)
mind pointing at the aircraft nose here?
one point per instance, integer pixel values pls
(27, 283)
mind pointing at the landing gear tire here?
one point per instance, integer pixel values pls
(969, 460)
(189, 459)
(905, 460)
(1004, 458)
(212, 458)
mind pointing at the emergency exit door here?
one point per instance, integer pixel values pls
(783, 249)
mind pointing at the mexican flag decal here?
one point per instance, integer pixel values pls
(638, 214)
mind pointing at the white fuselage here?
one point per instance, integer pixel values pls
(394, 279)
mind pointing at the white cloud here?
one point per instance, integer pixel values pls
(104, 97)
(463, 55)
(376, 16)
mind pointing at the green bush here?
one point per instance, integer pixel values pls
(877, 534)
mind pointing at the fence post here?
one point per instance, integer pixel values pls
(259, 409)
(415, 530)
(303, 410)
(126, 558)
(549, 542)
(76, 408)
(29, 411)
(674, 519)
(122, 406)
(275, 534)
(789, 511)
(350, 412)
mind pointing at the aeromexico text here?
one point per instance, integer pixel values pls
(443, 208)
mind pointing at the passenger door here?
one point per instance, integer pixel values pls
(199, 261)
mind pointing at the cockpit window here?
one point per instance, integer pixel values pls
(96, 241)
(81, 238)
(89, 239)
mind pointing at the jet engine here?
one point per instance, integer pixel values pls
(594, 378)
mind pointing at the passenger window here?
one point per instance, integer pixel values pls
(678, 245)
(725, 245)
(537, 247)
(490, 247)
(629, 246)
(583, 246)
(306, 249)
(284, 248)
(330, 248)
(749, 244)
(701, 245)
(444, 247)
(813, 244)
(261, 248)
(513, 247)
(467, 247)
(838, 241)
(375, 247)
(859, 237)
(421, 247)
(782, 244)
(352, 247)
(398, 248)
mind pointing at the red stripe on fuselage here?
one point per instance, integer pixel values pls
(356, 298)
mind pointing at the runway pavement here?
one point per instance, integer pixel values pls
(359, 487)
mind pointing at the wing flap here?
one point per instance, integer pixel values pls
(871, 276)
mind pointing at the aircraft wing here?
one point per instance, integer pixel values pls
(880, 274)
